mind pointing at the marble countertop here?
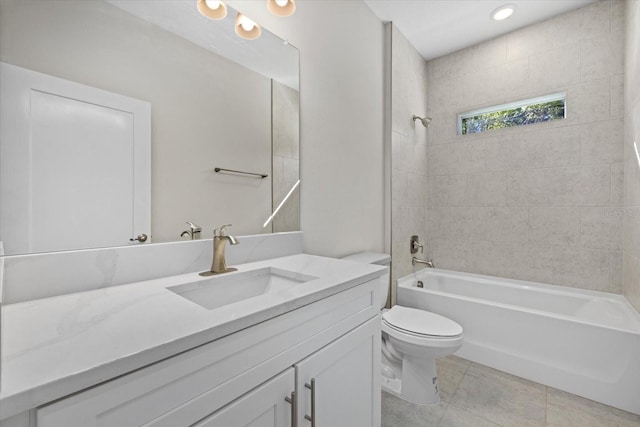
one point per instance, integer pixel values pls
(56, 346)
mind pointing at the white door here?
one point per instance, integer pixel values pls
(265, 406)
(339, 385)
(74, 164)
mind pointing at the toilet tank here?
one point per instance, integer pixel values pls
(377, 259)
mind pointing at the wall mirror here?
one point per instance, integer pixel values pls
(215, 100)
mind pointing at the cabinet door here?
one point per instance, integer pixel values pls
(265, 406)
(339, 385)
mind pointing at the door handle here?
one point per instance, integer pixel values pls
(141, 238)
(294, 408)
(312, 387)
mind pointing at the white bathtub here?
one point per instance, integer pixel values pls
(583, 342)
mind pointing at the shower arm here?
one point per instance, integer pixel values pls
(426, 121)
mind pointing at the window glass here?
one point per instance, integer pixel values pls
(529, 111)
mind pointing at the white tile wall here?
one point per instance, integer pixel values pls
(537, 202)
(630, 212)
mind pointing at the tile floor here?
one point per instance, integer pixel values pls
(473, 395)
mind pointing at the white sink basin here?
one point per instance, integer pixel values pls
(229, 288)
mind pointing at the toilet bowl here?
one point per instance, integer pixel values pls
(412, 340)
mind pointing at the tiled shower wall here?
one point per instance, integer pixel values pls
(409, 152)
(631, 211)
(539, 202)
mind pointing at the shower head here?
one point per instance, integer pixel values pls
(425, 122)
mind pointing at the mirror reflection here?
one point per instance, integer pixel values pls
(214, 100)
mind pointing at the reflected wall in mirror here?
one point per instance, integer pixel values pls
(207, 110)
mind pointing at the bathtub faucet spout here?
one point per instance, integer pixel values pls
(428, 262)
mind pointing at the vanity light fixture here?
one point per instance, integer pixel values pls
(213, 9)
(503, 12)
(246, 28)
(281, 7)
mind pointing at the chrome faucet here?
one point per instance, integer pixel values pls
(427, 262)
(219, 264)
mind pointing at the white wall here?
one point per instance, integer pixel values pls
(341, 108)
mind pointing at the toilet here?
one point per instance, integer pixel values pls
(412, 340)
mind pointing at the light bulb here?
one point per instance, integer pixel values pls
(503, 12)
(212, 4)
(247, 24)
(246, 28)
(212, 9)
(281, 7)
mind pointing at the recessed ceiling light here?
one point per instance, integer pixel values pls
(503, 12)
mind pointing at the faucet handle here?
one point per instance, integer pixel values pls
(220, 230)
(194, 228)
(415, 244)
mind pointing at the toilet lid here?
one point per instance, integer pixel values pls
(421, 322)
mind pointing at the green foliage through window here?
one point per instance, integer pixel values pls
(527, 112)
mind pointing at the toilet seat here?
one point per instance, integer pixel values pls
(420, 323)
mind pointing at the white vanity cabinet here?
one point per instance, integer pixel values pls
(339, 384)
(247, 377)
(336, 386)
(262, 407)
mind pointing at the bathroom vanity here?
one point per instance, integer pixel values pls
(291, 341)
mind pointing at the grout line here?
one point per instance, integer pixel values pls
(455, 390)
(439, 422)
(523, 169)
(546, 405)
(479, 416)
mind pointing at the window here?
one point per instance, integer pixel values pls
(520, 113)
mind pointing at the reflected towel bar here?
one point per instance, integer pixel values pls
(261, 175)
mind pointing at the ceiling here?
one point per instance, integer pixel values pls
(439, 27)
